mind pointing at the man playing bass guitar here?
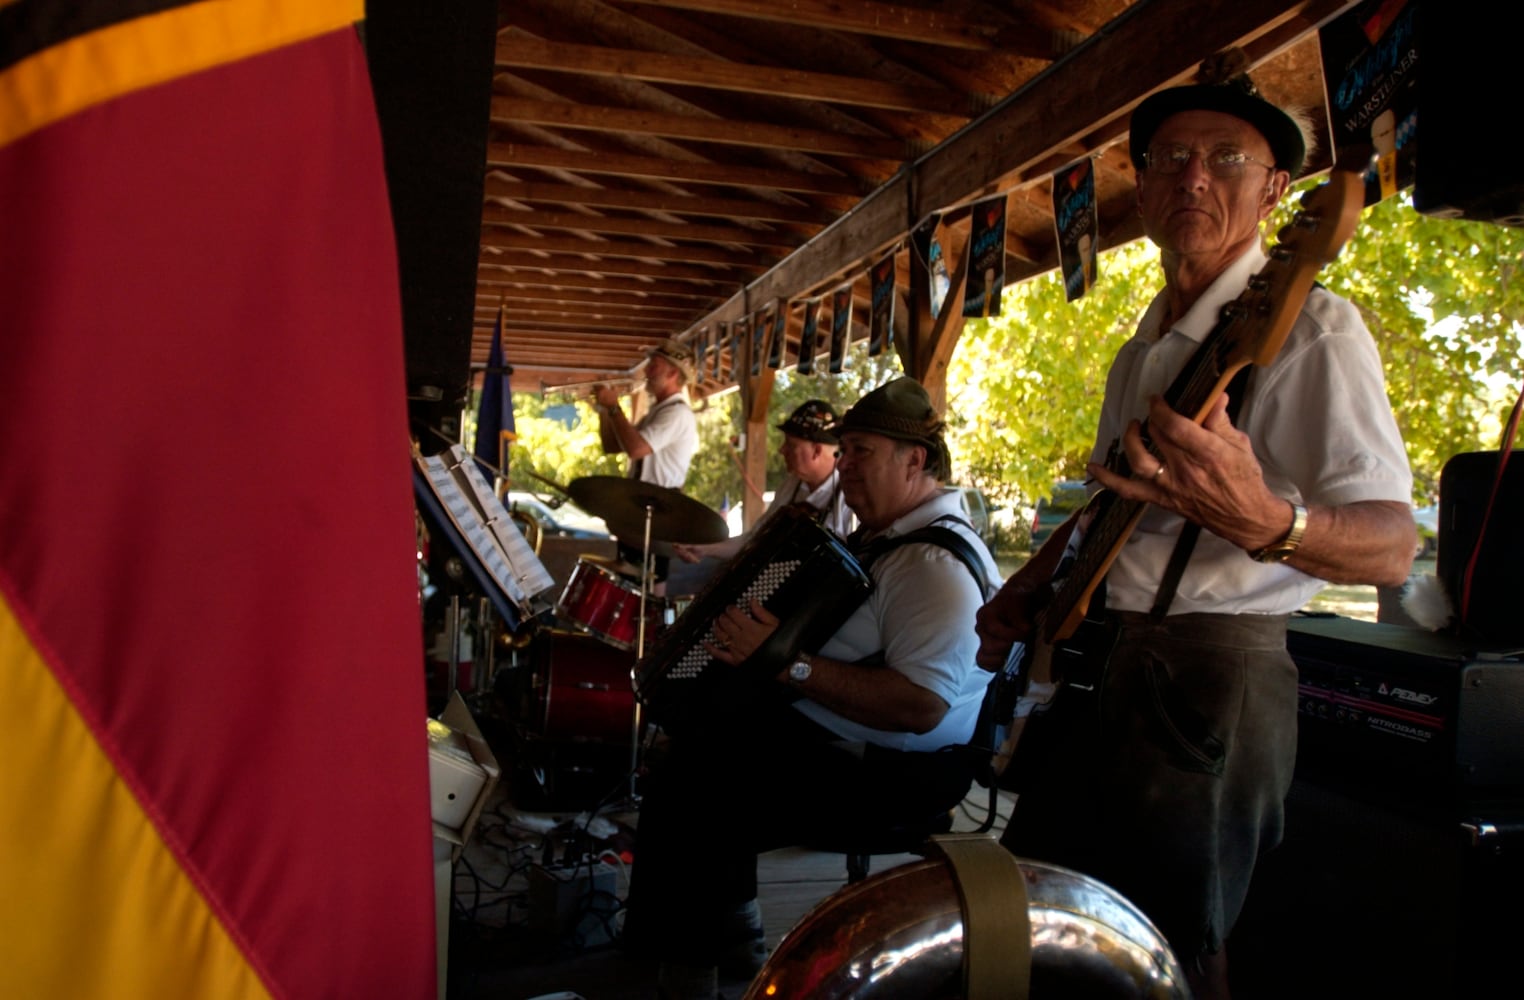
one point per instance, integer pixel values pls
(1188, 754)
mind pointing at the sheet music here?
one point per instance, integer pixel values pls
(503, 552)
(528, 570)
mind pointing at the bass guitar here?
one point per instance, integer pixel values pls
(1250, 330)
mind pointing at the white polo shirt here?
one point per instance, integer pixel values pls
(671, 431)
(1320, 423)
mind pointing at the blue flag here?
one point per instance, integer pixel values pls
(494, 420)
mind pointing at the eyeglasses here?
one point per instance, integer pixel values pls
(1220, 161)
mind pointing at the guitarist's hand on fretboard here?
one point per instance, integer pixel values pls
(1207, 473)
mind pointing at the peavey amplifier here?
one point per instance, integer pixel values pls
(1401, 866)
(1402, 710)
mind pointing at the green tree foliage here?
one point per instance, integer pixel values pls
(557, 441)
(1445, 302)
(1024, 388)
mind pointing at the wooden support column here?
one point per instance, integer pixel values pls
(756, 397)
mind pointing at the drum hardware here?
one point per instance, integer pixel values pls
(596, 598)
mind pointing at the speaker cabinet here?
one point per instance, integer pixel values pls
(1366, 898)
(1402, 865)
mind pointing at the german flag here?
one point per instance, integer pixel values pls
(215, 778)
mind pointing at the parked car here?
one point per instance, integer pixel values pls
(558, 519)
(1068, 496)
(976, 506)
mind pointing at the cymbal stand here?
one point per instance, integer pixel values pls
(647, 570)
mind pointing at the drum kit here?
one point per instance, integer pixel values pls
(607, 613)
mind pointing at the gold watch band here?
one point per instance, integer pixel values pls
(1281, 551)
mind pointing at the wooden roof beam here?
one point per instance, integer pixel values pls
(720, 74)
(496, 215)
(911, 24)
(627, 121)
(533, 192)
(509, 154)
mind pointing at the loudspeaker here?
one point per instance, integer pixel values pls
(1468, 67)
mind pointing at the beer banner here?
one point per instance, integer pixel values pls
(779, 324)
(986, 269)
(881, 313)
(841, 326)
(1370, 70)
(1074, 219)
(809, 337)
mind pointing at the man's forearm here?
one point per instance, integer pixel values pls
(875, 696)
(1372, 542)
(619, 435)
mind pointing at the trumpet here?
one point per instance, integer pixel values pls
(586, 388)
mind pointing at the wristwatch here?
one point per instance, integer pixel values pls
(1281, 551)
(799, 671)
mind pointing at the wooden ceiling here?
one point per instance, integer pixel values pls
(655, 167)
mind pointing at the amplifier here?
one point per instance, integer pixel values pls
(1403, 856)
(1403, 710)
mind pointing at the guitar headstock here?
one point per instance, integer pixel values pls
(1326, 218)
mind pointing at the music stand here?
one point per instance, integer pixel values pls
(440, 526)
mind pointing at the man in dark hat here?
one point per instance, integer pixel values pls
(1194, 738)
(809, 458)
(662, 443)
(845, 739)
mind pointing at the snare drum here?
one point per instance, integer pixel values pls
(604, 604)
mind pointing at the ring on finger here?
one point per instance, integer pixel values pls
(1161, 470)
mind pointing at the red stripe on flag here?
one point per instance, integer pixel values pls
(207, 496)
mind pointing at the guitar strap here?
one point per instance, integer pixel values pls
(1186, 543)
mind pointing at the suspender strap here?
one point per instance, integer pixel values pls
(932, 534)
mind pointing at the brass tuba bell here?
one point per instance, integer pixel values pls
(899, 935)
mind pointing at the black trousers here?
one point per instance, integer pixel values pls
(764, 777)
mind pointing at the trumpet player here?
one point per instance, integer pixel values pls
(661, 445)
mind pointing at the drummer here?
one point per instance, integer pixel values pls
(662, 443)
(809, 453)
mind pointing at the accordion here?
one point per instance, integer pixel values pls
(798, 570)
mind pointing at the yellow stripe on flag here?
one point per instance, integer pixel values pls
(80, 853)
(96, 67)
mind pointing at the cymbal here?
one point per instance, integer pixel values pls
(623, 502)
